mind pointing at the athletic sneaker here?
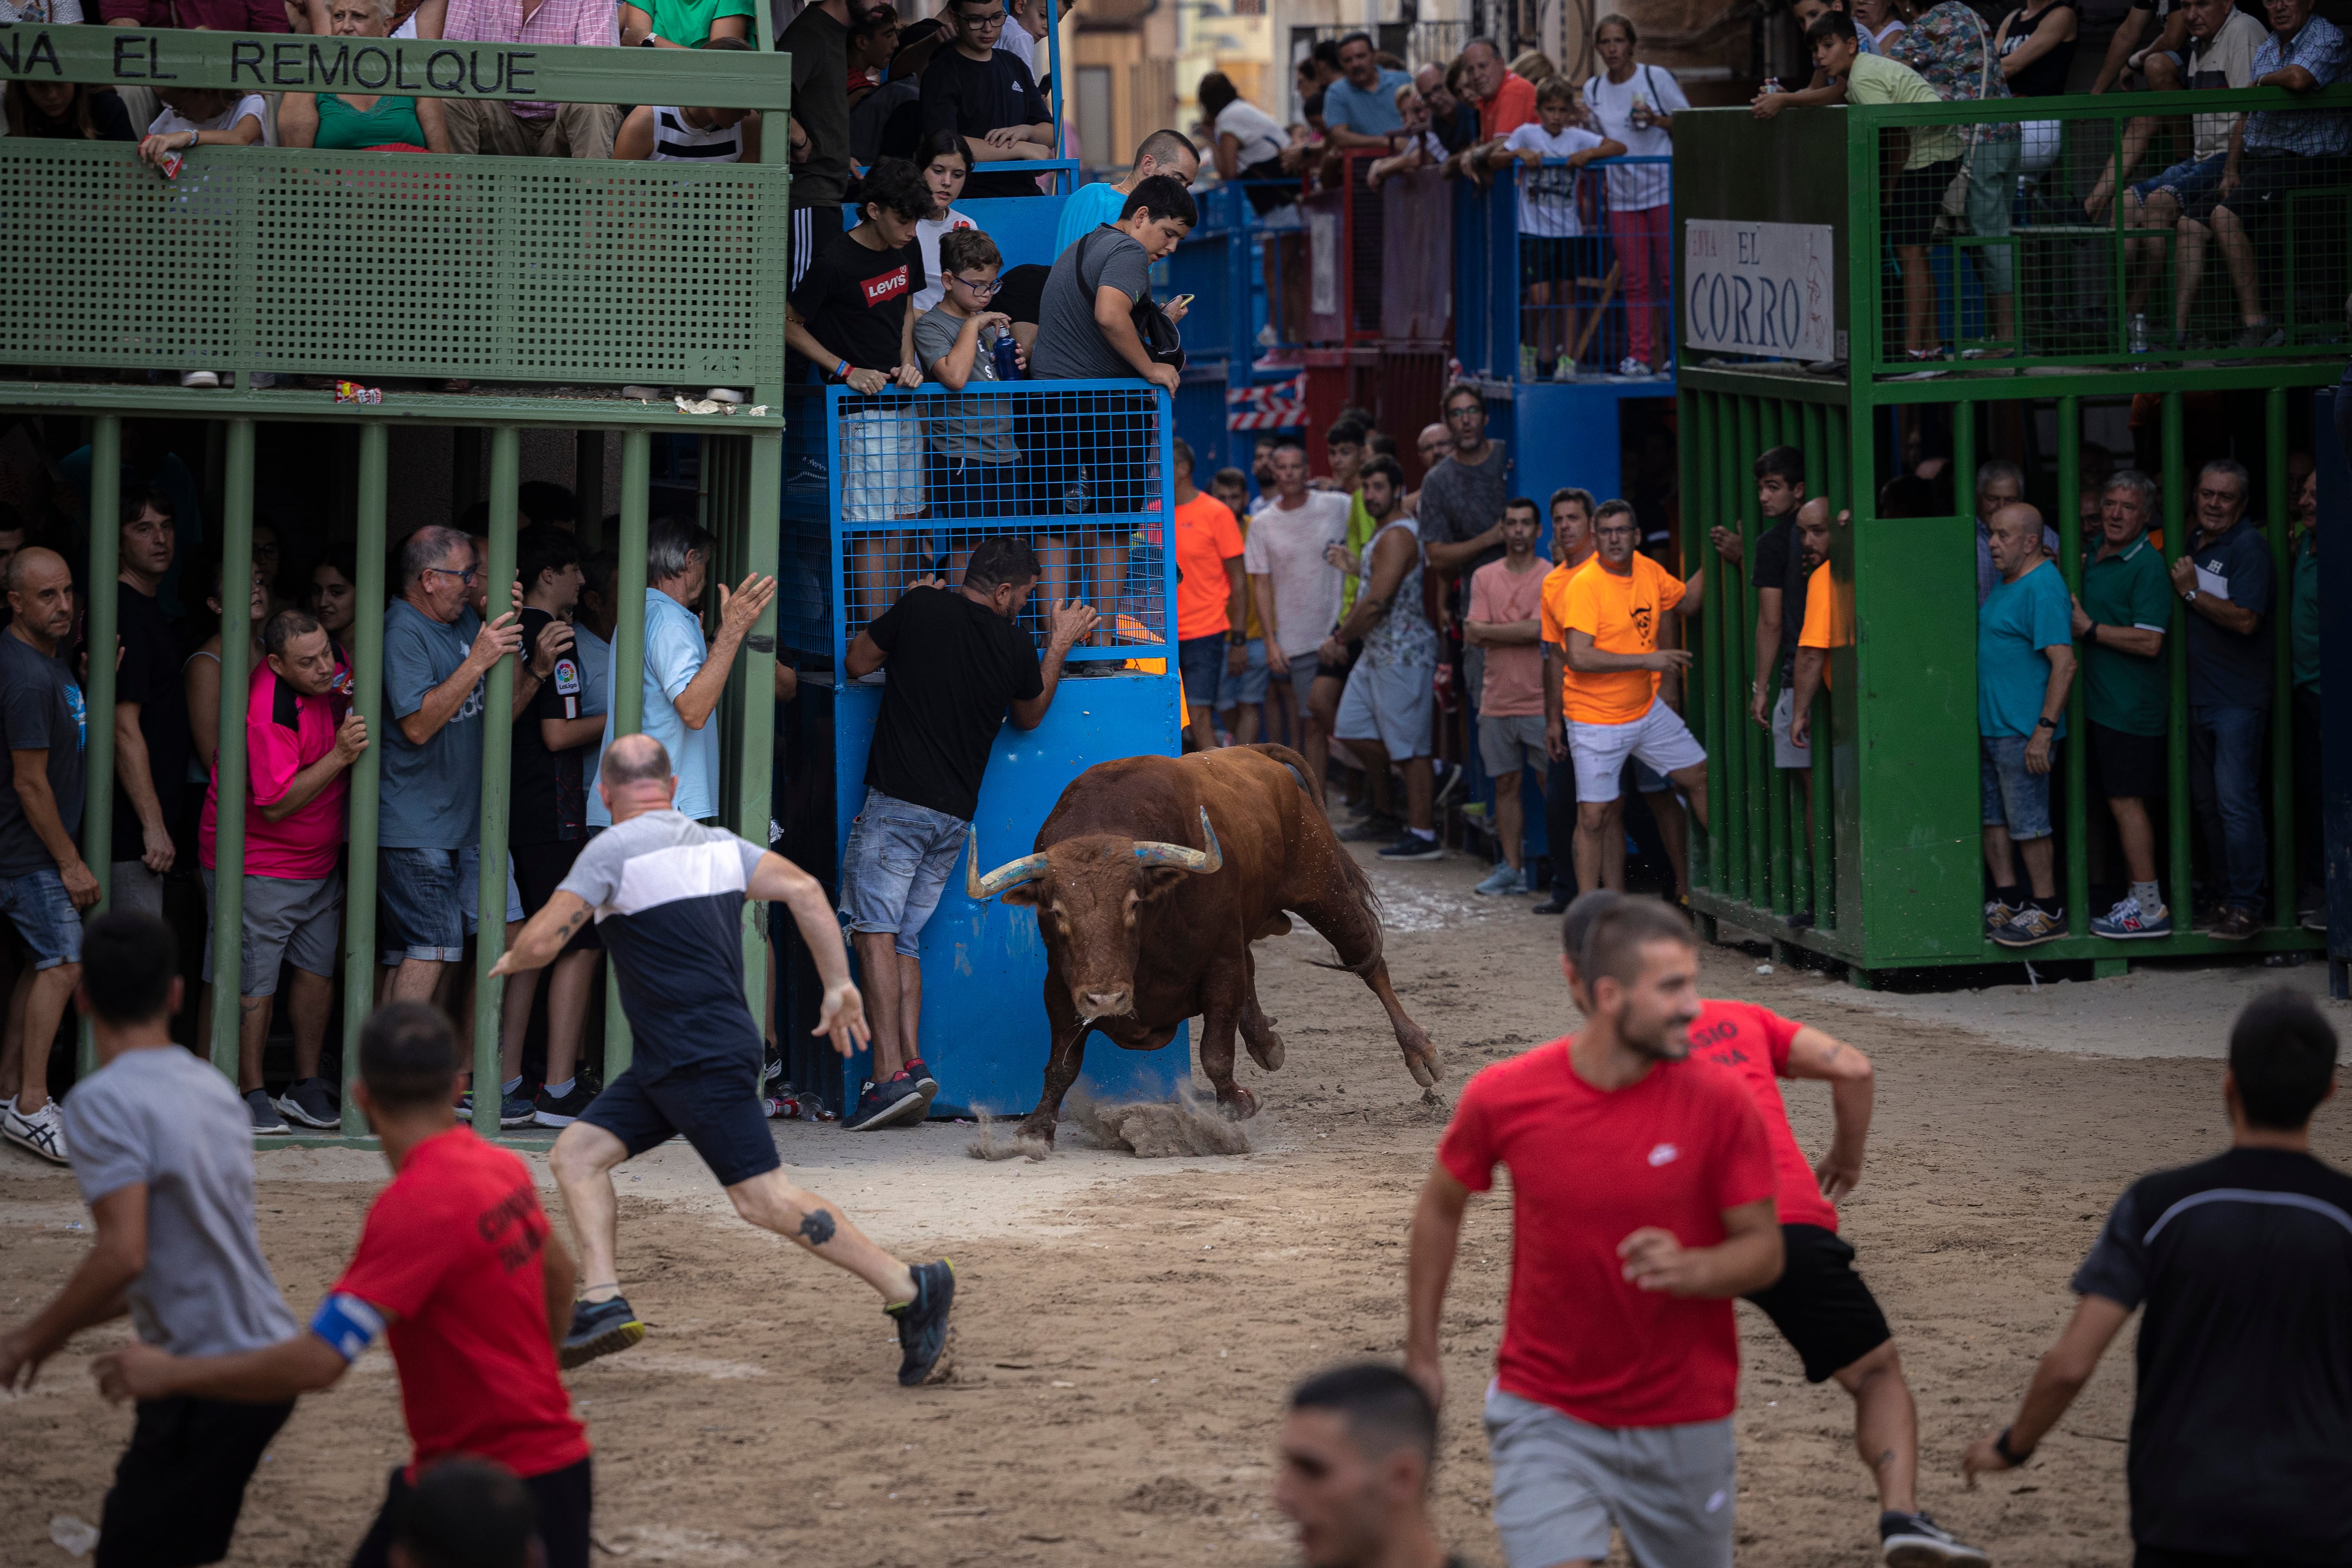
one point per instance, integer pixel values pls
(2235, 925)
(1997, 915)
(514, 1110)
(1445, 781)
(266, 1122)
(1916, 1540)
(1506, 881)
(886, 1104)
(924, 1333)
(599, 1328)
(771, 1066)
(2126, 921)
(1411, 846)
(926, 1085)
(1630, 366)
(42, 1132)
(560, 1110)
(2312, 919)
(309, 1101)
(2032, 926)
(1377, 827)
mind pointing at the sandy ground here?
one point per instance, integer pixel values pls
(1127, 1326)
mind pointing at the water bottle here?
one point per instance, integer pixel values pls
(2139, 332)
(1772, 84)
(1008, 357)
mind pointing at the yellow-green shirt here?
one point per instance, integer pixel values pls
(1875, 78)
(1360, 541)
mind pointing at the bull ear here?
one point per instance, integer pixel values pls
(1024, 894)
(1158, 878)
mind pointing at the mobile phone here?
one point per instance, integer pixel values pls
(1183, 300)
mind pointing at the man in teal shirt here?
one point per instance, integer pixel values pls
(1169, 152)
(2120, 620)
(2025, 664)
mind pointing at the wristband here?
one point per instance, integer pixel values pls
(841, 371)
(347, 1323)
(2000, 1446)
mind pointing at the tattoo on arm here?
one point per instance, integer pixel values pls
(573, 924)
(816, 1227)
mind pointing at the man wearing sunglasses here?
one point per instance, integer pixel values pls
(987, 96)
(436, 650)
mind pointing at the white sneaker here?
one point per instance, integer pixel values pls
(199, 379)
(43, 1133)
(1630, 366)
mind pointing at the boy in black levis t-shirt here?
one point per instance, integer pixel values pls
(850, 319)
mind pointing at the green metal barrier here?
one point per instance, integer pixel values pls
(1893, 873)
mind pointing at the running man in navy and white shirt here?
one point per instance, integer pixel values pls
(667, 893)
(2242, 1432)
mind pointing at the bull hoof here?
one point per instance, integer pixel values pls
(1421, 1060)
(1239, 1106)
(1267, 1052)
(1040, 1128)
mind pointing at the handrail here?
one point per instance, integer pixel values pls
(425, 68)
(2106, 106)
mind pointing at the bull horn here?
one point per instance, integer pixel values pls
(1153, 853)
(1010, 874)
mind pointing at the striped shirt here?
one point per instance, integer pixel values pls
(678, 140)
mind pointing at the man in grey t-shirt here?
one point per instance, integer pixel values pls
(162, 1150)
(1461, 514)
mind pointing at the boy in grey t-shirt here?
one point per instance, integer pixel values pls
(969, 457)
(163, 1149)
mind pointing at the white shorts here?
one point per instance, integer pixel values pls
(1390, 705)
(881, 464)
(1658, 737)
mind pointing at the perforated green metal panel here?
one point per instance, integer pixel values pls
(393, 263)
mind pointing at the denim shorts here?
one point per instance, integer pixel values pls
(896, 867)
(423, 912)
(43, 915)
(2192, 181)
(2013, 798)
(1249, 686)
(1202, 662)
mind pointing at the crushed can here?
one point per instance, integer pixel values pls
(351, 392)
(172, 164)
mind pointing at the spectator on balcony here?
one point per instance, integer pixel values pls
(971, 463)
(526, 130)
(357, 122)
(2120, 621)
(1911, 202)
(2036, 45)
(1999, 483)
(1241, 690)
(301, 741)
(1504, 616)
(1451, 115)
(1505, 100)
(1163, 153)
(1416, 145)
(1883, 21)
(1550, 223)
(194, 117)
(818, 43)
(1612, 636)
(67, 111)
(1359, 110)
(1950, 47)
(687, 24)
(1247, 144)
(2226, 580)
(1025, 33)
(1634, 105)
(2284, 151)
(945, 163)
(873, 40)
(2158, 66)
(986, 95)
(1384, 715)
(1823, 89)
(151, 709)
(211, 15)
(1295, 589)
(2025, 665)
(683, 134)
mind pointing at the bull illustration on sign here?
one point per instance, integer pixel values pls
(1143, 930)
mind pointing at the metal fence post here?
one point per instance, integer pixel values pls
(2078, 743)
(497, 778)
(628, 695)
(102, 623)
(236, 679)
(2175, 647)
(2283, 823)
(360, 969)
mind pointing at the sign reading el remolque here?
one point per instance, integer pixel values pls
(296, 64)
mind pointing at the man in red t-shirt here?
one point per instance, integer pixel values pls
(1820, 1304)
(1641, 1203)
(457, 1267)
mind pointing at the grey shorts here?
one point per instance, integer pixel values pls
(1390, 704)
(1786, 753)
(896, 866)
(1506, 744)
(1561, 1483)
(1303, 669)
(301, 921)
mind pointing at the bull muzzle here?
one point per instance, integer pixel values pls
(1028, 868)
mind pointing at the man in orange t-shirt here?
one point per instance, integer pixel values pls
(1609, 626)
(1829, 623)
(1210, 592)
(1571, 548)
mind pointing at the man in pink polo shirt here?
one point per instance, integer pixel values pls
(300, 743)
(526, 130)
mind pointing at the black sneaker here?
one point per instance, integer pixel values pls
(925, 1084)
(924, 1333)
(885, 1104)
(599, 1328)
(2235, 925)
(560, 1110)
(1916, 1540)
(771, 1066)
(1376, 827)
(514, 1110)
(1446, 782)
(1411, 846)
(310, 1103)
(266, 1122)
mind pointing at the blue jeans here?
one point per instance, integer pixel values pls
(2225, 766)
(896, 866)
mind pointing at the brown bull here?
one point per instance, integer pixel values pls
(1143, 930)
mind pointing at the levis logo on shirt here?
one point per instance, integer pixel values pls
(886, 286)
(1664, 1155)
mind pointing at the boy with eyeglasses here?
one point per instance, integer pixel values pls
(987, 96)
(970, 456)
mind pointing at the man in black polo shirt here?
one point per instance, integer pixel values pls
(2226, 581)
(2242, 1435)
(987, 96)
(957, 662)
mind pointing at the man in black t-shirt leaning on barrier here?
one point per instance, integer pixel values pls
(2242, 1431)
(959, 662)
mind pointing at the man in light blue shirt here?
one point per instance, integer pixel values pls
(683, 678)
(1360, 110)
(1169, 152)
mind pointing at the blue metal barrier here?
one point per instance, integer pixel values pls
(1583, 287)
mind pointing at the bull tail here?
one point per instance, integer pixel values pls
(1297, 766)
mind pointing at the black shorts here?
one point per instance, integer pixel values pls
(1323, 670)
(1547, 258)
(2267, 179)
(716, 1108)
(1820, 1304)
(1915, 202)
(177, 1493)
(2165, 1557)
(539, 871)
(2124, 766)
(564, 1498)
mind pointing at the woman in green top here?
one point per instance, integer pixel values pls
(685, 24)
(348, 120)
